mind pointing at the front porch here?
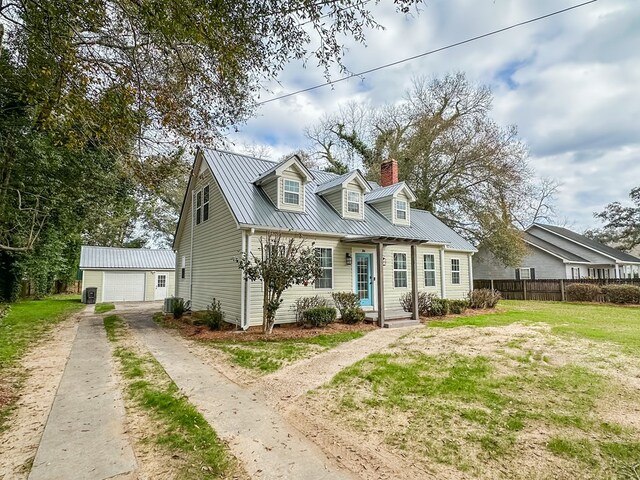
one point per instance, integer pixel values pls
(393, 319)
(385, 318)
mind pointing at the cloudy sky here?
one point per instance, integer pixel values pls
(571, 83)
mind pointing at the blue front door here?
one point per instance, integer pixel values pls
(364, 278)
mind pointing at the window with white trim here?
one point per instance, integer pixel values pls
(353, 201)
(325, 257)
(198, 208)
(575, 273)
(455, 271)
(401, 210)
(525, 273)
(202, 205)
(429, 270)
(291, 192)
(400, 270)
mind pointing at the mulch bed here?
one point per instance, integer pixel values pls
(280, 332)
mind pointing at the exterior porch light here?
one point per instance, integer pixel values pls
(348, 258)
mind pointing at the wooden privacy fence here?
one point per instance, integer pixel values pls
(549, 290)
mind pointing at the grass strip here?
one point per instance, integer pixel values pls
(104, 307)
(180, 427)
(268, 356)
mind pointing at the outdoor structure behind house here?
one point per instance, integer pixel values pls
(127, 274)
(367, 237)
(558, 253)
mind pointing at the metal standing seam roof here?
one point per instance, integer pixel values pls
(383, 192)
(250, 206)
(581, 239)
(126, 258)
(550, 247)
(338, 180)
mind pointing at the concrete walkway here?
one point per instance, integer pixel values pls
(284, 386)
(84, 436)
(267, 445)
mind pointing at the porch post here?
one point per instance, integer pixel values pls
(414, 281)
(615, 267)
(380, 275)
(443, 277)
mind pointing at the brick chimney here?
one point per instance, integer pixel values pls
(388, 173)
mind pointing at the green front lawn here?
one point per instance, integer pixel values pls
(610, 323)
(270, 355)
(511, 401)
(29, 320)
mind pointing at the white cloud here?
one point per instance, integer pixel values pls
(568, 82)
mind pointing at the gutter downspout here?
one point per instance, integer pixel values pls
(247, 290)
(191, 254)
(443, 288)
(243, 284)
(471, 272)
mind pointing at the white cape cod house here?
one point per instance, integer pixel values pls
(369, 239)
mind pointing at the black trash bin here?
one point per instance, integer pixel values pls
(90, 294)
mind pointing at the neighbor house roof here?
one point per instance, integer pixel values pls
(553, 249)
(587, 242)
(98, 258)
(250, 206)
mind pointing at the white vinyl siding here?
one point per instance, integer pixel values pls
(93, 278)
(461, 289)
(325, 255)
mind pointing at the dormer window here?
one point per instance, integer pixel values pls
(291, 192)
(353, 201)
(401, 210)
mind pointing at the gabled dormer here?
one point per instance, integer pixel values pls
(284, 184)
(346, 194)
(393, 198)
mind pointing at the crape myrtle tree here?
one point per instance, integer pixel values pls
(465, 168)
(104, 95)
(282, 263)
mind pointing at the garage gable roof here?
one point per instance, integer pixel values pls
(98, 258)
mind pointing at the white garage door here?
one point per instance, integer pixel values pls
(123, 287)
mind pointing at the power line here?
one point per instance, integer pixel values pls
(430, 52)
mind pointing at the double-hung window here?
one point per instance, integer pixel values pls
(353, 201)
(291, 192)
(429, 270)
(325, 257)
(202, 205)
(525, 274)
(401, 210)
(400, 270)
(205, 203)
(198, 208)
(455, 271)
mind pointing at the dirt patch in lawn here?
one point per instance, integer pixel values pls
(253, 334)
(39, 376)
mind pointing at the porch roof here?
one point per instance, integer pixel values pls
(386, 240)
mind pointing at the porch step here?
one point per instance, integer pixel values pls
(400, 323)
(396, 315)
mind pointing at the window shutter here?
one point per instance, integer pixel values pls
(533, 274)
(517, 274)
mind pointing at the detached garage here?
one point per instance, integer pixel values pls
(127, 274)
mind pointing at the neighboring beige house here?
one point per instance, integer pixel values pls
(368, 238)
(127, 274)
(559, 253)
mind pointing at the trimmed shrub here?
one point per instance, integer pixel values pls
(483, 298)
(439, 307)
(458, 306)
(353, 315)
(179, 307)
(319, 316)
(345, 301)
(583, 292)
(214, 317)
(622, 293)
(424, 302)
(303, 304)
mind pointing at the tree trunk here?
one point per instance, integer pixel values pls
(265, 310)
